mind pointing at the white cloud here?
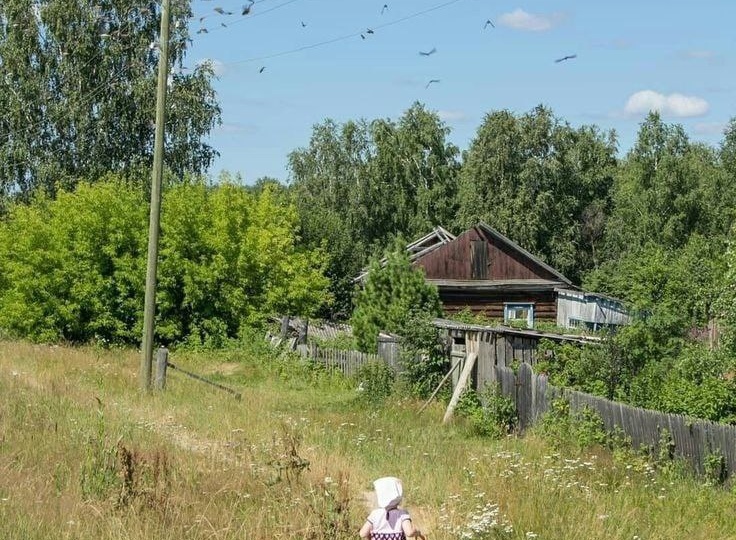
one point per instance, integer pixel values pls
(710, 128)
(699, 55)
(679, 105)
(217, 67)
(452, 116)
(530, 22)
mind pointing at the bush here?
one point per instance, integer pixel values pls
(489, 414)
(581, 429)
(74, 268)
(424, 356)
(392, 294)
(375, 380)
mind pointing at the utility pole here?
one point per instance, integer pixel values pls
(149, 314)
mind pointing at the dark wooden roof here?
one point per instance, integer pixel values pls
(501, 238)
(483, 254)
(420, 247)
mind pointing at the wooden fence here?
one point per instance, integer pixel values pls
(693, 440)
(348, 362)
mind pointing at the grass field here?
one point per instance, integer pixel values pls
(84, 455)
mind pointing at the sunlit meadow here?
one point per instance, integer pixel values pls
(84, 455)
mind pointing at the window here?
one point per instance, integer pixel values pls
(519, 312)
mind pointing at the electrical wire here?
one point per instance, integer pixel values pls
(343, 37)
(245, 17)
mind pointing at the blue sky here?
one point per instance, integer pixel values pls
(676, 56)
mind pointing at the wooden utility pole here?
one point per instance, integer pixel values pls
(149, 314)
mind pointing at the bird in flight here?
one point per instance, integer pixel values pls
(304, 25)
(428, 53)
(202, 31)
(384, 8)
(369, 31)
(489, 23)
(261, 70)
(222, 11)
(432, 81)
(568, 57)
(246, 9)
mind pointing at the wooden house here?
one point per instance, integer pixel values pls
(484, 271)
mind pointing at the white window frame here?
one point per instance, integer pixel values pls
(509, 308)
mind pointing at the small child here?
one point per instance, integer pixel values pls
(389, 522)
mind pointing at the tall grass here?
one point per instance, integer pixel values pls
(84, 455)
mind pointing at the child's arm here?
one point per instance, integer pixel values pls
(365, 530)
(411, 531)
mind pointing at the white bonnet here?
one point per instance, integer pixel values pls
(388, 491)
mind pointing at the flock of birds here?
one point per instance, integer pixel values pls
(247, 9)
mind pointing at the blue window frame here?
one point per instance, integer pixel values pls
(519, 312)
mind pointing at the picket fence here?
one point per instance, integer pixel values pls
(695, 441)
(347, 362)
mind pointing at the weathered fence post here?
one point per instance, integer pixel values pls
(461, 383)
(162, 360)
(285, 327)
(301, 337)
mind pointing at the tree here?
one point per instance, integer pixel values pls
(666, 190)
(392, 296)
(542, 183)
(324, 176)
(73, 267)
(77, 87)
(360, 184)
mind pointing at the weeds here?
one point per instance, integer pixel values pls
(293, 459)
(490, 413)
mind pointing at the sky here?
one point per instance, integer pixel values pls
(290, 64)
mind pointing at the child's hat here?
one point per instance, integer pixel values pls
(388, 491)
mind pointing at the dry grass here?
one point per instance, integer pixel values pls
(84, 455)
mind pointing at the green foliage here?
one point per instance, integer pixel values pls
(667, 190)
(392, 294)
(359, 184)
(74, 268)
(726, 303)
(77, 82)
(424, 355)
(375, 380)
(692, 384)
(602, 370)
(490, 413)
(229, 259)
(581, 429)
(715, 470)
(342, 342)
(542, 183)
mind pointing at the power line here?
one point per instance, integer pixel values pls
(343, 37)
(247, 17)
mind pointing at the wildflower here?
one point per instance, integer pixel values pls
(531, 534)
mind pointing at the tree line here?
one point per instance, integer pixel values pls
(654, 226)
